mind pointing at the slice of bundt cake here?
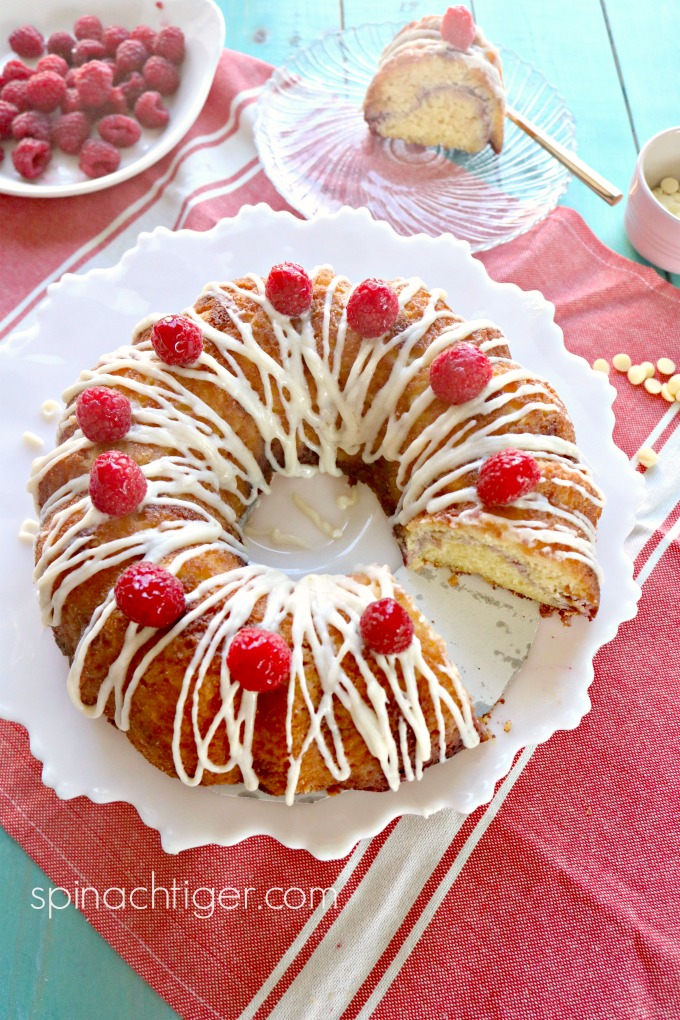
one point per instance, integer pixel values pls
(439, 82)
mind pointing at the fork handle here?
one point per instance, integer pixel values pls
(602, 187)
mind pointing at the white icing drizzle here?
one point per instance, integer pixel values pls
(425, 35)
(197, 462)
(281, 538)
(345, 502)
(312, 514)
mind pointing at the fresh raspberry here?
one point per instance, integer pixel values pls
(71, 77)
(15, 93)
(70, 131)
(150, 595)
(259, 660)
(386, 627)
(30, 157)
(53, 62)
(131, 56)
(71, 101)
(150, 110)
(145, 35)
(117, 484)
(97, 159)
(116, 103)
(458, 28)
(506, 476)
(104, 415)
(88, 49)
(132, 88)
(31, 124)
(45, 91)
(170, 44)
(372, 308)
(16, 70)
(8, 112)
(460, 373)
(27, 41)
(289, 289)
(119, 130)
(177, 340)
(161, 76)
(88, 26)
(94, 83)
(113, 36)
(61, 43)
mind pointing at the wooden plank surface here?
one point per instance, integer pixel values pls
(617, 66)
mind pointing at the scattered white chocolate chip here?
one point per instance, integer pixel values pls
(669, 185)
(600, 365)
(666, 393)
(674, 384)
(508, 726)
(28, 530)
(50, 409)
(647, 456)
(636, 374)
(31, 439)
(653, 386)
(665, 366)
(648, 367)
(621, 362)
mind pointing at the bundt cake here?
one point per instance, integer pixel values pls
(439, 82)
(222, 670)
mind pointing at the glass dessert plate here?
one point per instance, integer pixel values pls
(164, 272)
(318, 152)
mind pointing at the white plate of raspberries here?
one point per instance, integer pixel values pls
(92, 95)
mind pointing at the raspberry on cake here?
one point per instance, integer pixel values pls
(328, 682)
(439, 82)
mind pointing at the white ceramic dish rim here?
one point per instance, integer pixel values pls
(329, 828)
(188, 15)
(270, 158)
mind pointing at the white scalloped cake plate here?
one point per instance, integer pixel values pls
(203, 25)
(86, 316)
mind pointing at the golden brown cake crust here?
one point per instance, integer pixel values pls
(234, 314)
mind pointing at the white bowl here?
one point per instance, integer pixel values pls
(202, 24)
(652, 229)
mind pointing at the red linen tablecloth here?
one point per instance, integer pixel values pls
(559, 899)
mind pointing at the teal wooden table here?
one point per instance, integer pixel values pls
(616, 64)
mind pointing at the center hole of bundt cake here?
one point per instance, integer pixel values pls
(319, 524)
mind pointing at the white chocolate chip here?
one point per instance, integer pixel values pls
(648, 367)
(600, 365)
(32, 440)
(653, 386)
(621, 362)
(28, 530)
(50, 409)
(669, 185)
(636, 374)
(666, 394)
(647, 456)
(674, 384)
(665, 366)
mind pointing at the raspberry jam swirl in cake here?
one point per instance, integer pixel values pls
(264, 393)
